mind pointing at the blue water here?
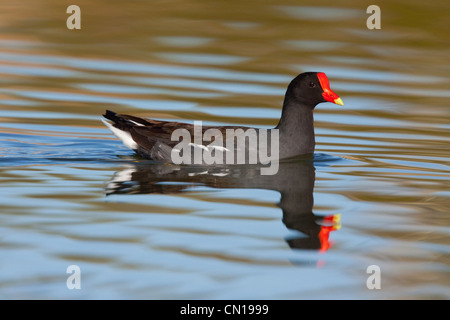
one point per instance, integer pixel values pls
(374, 193)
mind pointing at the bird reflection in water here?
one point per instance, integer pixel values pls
(294, 181)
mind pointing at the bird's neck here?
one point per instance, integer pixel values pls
(296, 129)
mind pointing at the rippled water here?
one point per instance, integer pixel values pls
(376, 191)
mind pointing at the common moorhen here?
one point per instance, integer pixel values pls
(152, 139)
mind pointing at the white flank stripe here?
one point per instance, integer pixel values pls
(197, 146)
(136, 123)
(208, 148)
(219, 148)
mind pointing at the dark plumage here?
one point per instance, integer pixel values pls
(152, 138)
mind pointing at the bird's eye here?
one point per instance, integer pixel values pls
(312, 85)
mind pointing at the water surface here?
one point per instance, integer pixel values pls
(376, 192)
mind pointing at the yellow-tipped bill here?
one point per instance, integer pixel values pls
(328, 94)
(339, 101)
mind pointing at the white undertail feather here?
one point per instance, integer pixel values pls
(128, 141)
(124, 136)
